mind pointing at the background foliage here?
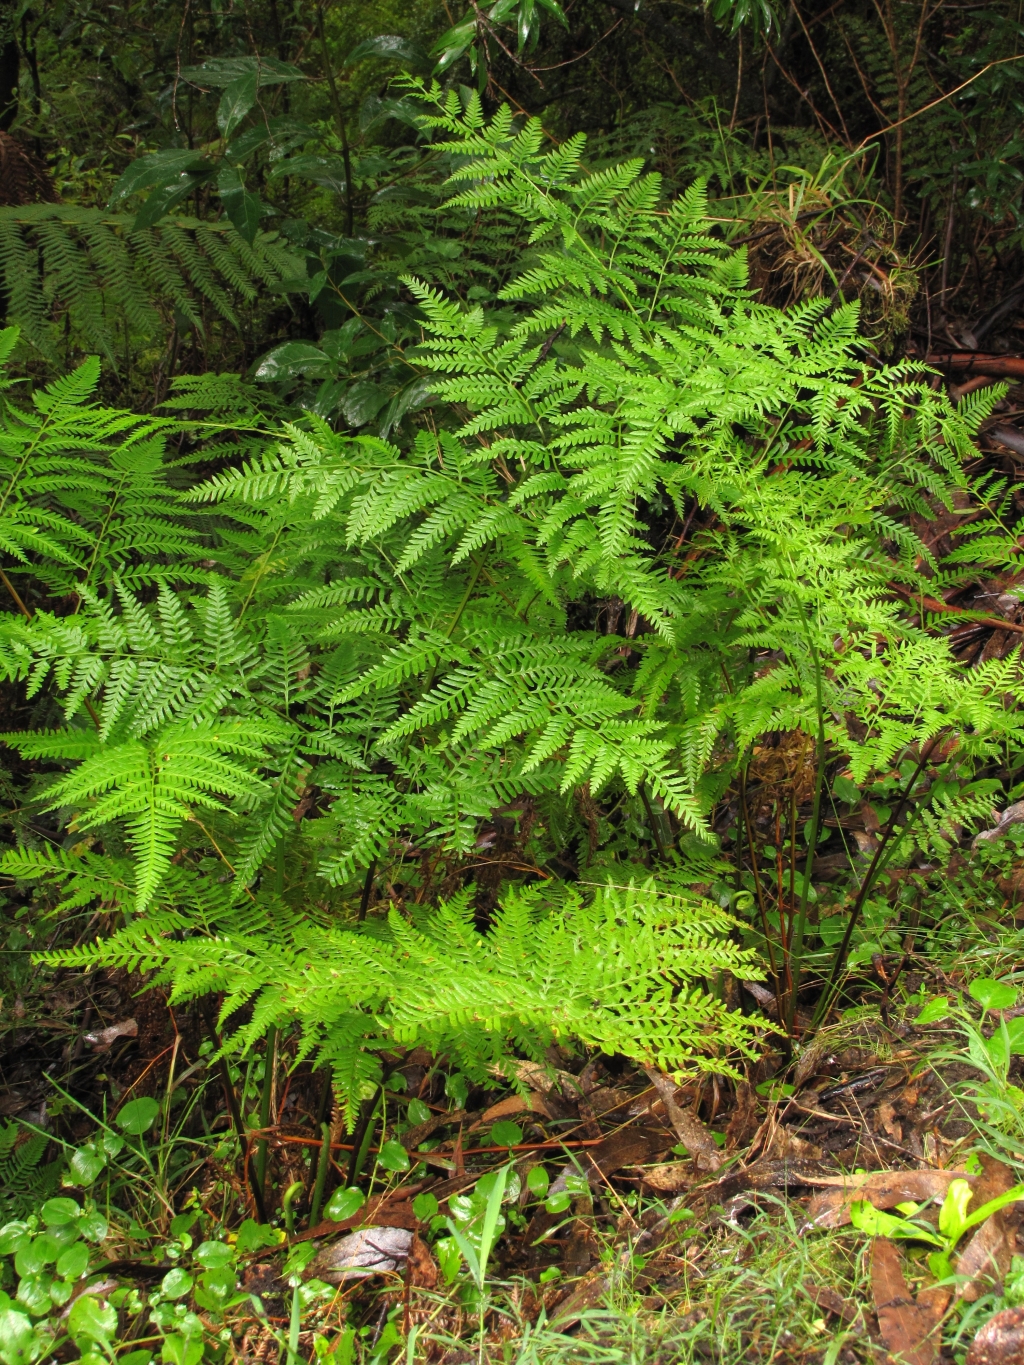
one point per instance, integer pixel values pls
(491, 563)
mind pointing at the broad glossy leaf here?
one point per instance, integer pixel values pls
(291, 359)
(506, 1134)
(179, 1349)
(12, 1236)
(176, 1283)
(390, 47)
(242, 207)
(253, 1235)
(85, 1165)
(393, 1157)
(220, 72)
(33, 1256)
(163, 199)
(20, 1344)
(553, 7)
(213, 1255)
(158, 168)
(73, 1262)
(843, 789)
(34, 1293)
(138, 1116)
(92, 1226)
(537, 1181)
(991, 994)
(236, 101)
(328, 171)
(937, 1008)
(425, 1206)
(418, 1112)
(362, 402)
(91, 1318)
(56, 1213)
(344, 1204)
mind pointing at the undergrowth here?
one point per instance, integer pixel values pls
(490, 778)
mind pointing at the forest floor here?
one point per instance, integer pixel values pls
(638, 1222)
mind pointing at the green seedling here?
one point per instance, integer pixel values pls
(954, 1221)
(479, 1231)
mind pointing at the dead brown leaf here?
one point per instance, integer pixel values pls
(532, 1102)
(419, 1132)
(687, 1127)
(831, 1301)
(885, 1189)
(103, 1039)
(786, 1143)
(668, 1177)
(886, 1119)
(743, 1120)
(628, 1147)
(740, 1185)
(421, 1266)
(1000, 1341)
(588, 1293)
(988, 1254)
(908, 1329)
(609, 1098)
(369, 1251)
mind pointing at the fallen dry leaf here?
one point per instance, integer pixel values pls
(886, 1113)
(103, 1039)
(987, 1256)
(384, 1210)
(885, 1189)
(743, 1120)
(628, 1147)
(831, 1301)
(419, 1132)
(609, 1098)
(540, 1077)
(587, 1294)
(1000, 1341)
(531, 1102)
(908, 1329)
(668, 1177)
(421, 1266)
(688, 1129)
(739, 1187)
(370, 1251)
(785, 1143)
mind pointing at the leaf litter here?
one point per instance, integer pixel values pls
(622, 1182)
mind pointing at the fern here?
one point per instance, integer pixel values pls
(82, 491)
(90, 267)
(389, 644)
(615, 969)
(25, 1182)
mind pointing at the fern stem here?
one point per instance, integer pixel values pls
(323, 1165)
(878, 865)
(266, 1097)
(294, 1327)
(364, 899)
(653, 822)
(363, 1134)
(320, 1120)
(760, 892)
(339, 118)
(14, 593)
(231, 1099)
(457, 617)
(795, 949)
